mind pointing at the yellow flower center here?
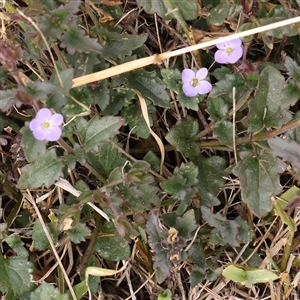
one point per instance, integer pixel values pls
(229, 49)
(194, 82)
(46, 125)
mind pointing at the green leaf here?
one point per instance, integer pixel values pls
(292, 67)
(288, 150)
(189, 102)
(227, 228)
(119, 45)
(265, 108)
(44, 171)
(47, 291)
(197, 256)
(248, 277)
(259, 178)
(182, 183)
(224, 132)
(106, 160)
(78, 233)
(118, 99)
(166, 295)
(53, 24)
(245, 234)
(150, 86)
(76, 40)
(294, 134)
(32, 147)
(218, 14)
(188, 9)
(186, 224)
(182, 137)
(135, 120)
(211, 171)
(172, 78)
(112, 247)
(39, 237)
(141, 198)
(98, 130)
(15, 276)
(66, 77)
(217, 108)
(15, 242)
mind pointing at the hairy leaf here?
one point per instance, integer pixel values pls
(44, 171)
(227, 228)
(288, 150)
(259, 178)
(76, 40)
(181, 136)
(150, 87)
(265, 109)
(47, 291)
(188, 9)
(15, 276)
(98, 130)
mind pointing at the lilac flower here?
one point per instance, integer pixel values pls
(229, 52)
(46, 126)
(194, 84)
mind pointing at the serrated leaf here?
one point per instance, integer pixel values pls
(172, 78)
(98, 130)
(186, 224)
(15, 276)
(76, 40)
(182, 178)
(78, 233)
(265, 108)
(107, 159)
(217, 108)
(259, 178)
(188, 9)
(44, 171)
(141, 198)
(288, 150)
(52, 24)
(66, 77)
(155, 229)
(112, 247)
(150, 87)
(119, 45)
(47, 291)
(224, 132)
(227, 228)
(32, 147)
(181, 136)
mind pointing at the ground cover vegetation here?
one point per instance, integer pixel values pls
(130, 175)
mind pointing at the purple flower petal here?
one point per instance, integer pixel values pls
(204, 87)
(235, 55)
(221, 57)
(56, 119)
(235, 43)
(189, 90)
(202, 73)
(44, 114)
(54, 134)
(40, 134)
(35, 123)
(187, 75)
